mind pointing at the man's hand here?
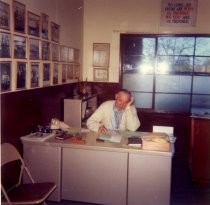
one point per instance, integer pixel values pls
(130, 102)
(102, 130)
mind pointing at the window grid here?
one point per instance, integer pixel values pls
(128, 67)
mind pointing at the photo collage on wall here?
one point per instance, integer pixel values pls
(31, 55)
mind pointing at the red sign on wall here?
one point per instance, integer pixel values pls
(178, 12)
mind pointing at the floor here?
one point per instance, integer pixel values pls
(183, 191)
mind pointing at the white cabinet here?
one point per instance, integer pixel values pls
(78, 109)
(94, 176)
(149, 179)
(44, 163)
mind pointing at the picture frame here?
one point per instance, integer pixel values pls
(34, 49)
(64, 73)
(101, 74)
(70, 72)
(34, 75)
(55, 32)
(21, 75)
(45, 50)
(55, 48)
(4, 16)
(46, 74)
(55, 73)
(44, 26)
(19, 13)
(101, 54)
(70, 55)
(76, 71)
(19, 47)
(63, 53)
(5, 45)
(33, 24)
(76, 55)
(5, 76)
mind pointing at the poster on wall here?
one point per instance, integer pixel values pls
(178, 12)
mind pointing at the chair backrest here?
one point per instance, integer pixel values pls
(10, 154)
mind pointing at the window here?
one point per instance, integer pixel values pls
(167, 73)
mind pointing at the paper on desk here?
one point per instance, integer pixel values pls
(116, 138)
(113, 138)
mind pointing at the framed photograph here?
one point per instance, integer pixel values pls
(33, 24)
(45, 50)
(5, 45)
(76, 55)
(64, 53)
(21, 75)
(55, 48)
(64, 69)
(55, 73)
(76, 71)
(34, 49)
(34, 75)
(45, 26)
(19, 12)
(4, 16)
(101, 52)
(70, 72)
(5, 74)
(55, 32)
(19, 47)
(71, 55)
(101, 74)
(46, 74)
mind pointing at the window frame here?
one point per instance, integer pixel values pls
(192, 74)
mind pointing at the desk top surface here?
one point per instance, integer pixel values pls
(91, 142)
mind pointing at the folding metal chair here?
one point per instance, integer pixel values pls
(19, 193)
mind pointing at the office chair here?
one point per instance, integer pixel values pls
(19, 193)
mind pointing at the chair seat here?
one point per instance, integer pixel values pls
(31, 193)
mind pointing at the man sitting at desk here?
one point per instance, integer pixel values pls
(118, 114)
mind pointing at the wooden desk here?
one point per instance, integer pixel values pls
(101, 172)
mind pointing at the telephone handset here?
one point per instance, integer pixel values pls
(57, 124)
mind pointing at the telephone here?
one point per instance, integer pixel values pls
(57, 124)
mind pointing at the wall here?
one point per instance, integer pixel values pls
(104, 20)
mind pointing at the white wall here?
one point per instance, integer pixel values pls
(104, 20)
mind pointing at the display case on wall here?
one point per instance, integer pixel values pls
(26, 41)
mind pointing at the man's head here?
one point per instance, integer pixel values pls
(122, 98)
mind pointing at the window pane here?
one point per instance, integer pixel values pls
(172, 102)
(202, 46)
(135, 82)
(142, 100)
(168, 64)
(139, 46)
(148, 46)
(139, 64)
(173, 83)
(175, 45)
(132, 45)
(202, 65)
(201, 85)
(131, 63)
(201, 101)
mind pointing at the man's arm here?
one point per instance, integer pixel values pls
(132, 120)
(94, 122)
